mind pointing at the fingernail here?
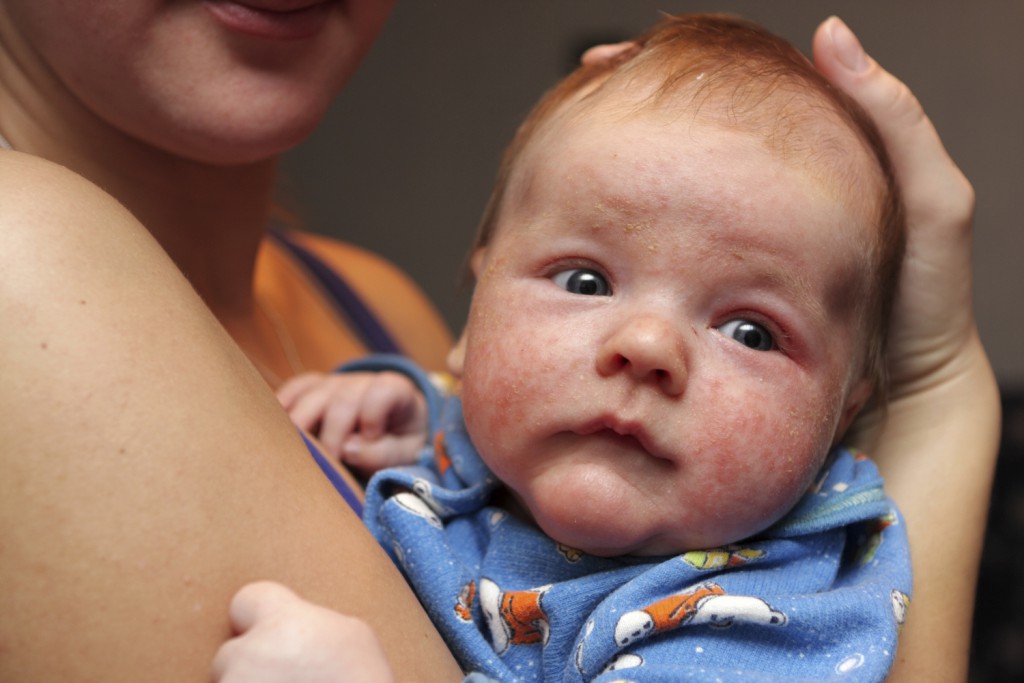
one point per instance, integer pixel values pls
(848, 49)
(352, 446)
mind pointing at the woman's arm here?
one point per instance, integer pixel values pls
(937, 445)
(147, 472)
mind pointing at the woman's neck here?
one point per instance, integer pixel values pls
(209, 219)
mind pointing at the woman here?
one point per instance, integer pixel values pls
(201, 176)
(148, 472)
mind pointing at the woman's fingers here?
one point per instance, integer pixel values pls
(932, 184)
(606, 51)
(932, 318)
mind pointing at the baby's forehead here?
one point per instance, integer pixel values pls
(594, 196)
(796, 125)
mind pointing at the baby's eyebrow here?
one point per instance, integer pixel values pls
(770, 260)
(772, 270)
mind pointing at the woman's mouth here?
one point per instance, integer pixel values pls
(273, 19)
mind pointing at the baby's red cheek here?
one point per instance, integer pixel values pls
(754, 448)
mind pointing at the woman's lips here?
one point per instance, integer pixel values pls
(270, 19)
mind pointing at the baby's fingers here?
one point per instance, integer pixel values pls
(289, 392)
(330, 408)
(392, 405)
(257, 601)
(388, 451)
(340, 421)
(243, 657)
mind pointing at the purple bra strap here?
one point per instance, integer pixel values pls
(344, 299)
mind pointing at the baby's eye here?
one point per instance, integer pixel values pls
(583, 281)
(749, 334)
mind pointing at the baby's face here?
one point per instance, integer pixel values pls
(666, 334)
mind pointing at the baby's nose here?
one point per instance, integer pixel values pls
(649, 349)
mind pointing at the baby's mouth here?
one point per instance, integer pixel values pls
(630, 436)
(626, 440)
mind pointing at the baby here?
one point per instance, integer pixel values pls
(683, 283)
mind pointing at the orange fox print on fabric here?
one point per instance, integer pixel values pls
(514, 617)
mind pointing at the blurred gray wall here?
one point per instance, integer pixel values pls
(404, 163)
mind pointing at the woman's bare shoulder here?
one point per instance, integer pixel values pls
(27, 172)
(31, 186)
(49, 210)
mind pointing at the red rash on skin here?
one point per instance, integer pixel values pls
(695, 440)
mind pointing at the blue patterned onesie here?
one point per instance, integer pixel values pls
(822, 594)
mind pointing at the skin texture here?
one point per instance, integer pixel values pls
(174, 76)
(125, 539)
(180, 117)
(119, 565)
(148, 472)
(623, 420)
(938, 470)
(937, 443)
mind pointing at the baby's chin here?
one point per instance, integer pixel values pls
(600, 527)
(651, 547)
(606, 540)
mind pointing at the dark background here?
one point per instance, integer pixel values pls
(405, 161)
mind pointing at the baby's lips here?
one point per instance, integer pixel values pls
(632, 429)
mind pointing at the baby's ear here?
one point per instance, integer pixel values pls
(855, 400)
(457, 356)
(476, 261)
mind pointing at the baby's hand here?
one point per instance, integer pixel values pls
(281, 638)
(367, 420)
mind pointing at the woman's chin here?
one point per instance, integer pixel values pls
(237, 146)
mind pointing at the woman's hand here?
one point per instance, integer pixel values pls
(937, 440)
(281, 638)
(932, 321)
